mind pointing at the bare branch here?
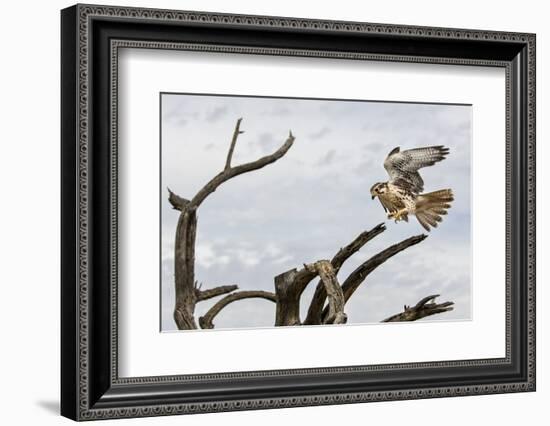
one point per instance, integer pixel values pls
(346, 252)
(319, 297)
(236, 134)
(178, 203)
(231, 172)
(422, 309)
(334, 292)
(206, 320)
(214, 292)
(354, 280)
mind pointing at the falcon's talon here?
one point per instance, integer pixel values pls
(398, 215)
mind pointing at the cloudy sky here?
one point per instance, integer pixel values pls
(312, 201)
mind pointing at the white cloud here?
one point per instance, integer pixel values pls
(327, 159)
(205, 255)
(215, 114)
(321, 133)
(273, 250)
(247, 257)
(283, 259)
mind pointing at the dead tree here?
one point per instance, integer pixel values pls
(330, 297)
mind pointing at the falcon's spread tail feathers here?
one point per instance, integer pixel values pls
(431, 206)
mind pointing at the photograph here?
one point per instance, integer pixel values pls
(280, 211)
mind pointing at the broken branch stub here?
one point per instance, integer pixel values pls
(287, 311)
(424, 308)
(214, 292)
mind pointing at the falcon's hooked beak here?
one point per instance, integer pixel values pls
(374, 191)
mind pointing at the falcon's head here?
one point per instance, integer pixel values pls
(378, 188)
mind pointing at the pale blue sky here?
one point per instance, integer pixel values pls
(314, 200)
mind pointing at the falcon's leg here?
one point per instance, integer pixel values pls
(399, 215)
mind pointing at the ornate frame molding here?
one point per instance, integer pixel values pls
(78, 24)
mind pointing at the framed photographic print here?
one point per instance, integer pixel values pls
(263, 212)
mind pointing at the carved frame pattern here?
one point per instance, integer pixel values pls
(85, 409)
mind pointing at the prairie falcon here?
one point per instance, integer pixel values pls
(401, 195)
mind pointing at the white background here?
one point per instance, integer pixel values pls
(142, 346)
(29, 225)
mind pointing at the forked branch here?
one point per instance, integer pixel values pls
(315, 310)
(236, 134)
(177, 202)
(230, 172)
(357, 277)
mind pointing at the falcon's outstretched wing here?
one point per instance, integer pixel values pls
(403, 166)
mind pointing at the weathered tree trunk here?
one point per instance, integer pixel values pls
(184, 269)
(287, 311)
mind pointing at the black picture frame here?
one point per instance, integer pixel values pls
(90, 386)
